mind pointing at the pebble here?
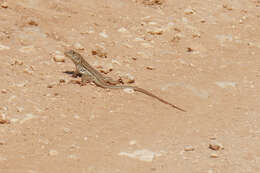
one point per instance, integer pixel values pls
(122, 30)
(59, 58)
(214, 155)
(128, 90)
(3, 47)
(53, 152)
(76, 116)
(113, 61)
(28, 71)
(142, 155)
(4, 121)
(127, 78)
(146, 45)
(189, 11)
(4, 108)
(214, 145)
(99, 52)
(103, 34)
(27, 117)
(27, 49)
(66, 130)
(150, 68)
(19, 109)
(153, 2)
(2, 142)
(62, 81)
(73, 156)
(155, 31)
(78, 46)
(4, 5)
(32, 22)
(132, 142)
(51, 85)
(106, 68)
(17, 62)
(4, 91)
(189, 148)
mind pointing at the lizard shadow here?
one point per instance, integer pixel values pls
(71, 73)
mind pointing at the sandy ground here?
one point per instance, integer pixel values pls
(200, 55)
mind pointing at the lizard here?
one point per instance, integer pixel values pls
(90, 74)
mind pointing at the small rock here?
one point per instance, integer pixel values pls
(78, 46)
(153, 2)
(227, 7)
(27, 49)
(4, 5)
(28, 70)
(73, 156)
(113, 61)
(56, 94)
(176, 38)
(133, 142)
(122, 30)
(17, 62)
(87, 32)
(107, 68)
(66, 130)
(189, 11)
(76, 116)
(59, 58)
(2, 142)
(4, 121)
(53, 152)
(214, 145)
(128, 90)
(19, 109)
(226, 84)
(4, 108)
(147, 45)
(150, 68)
(155, 31)
(214, 155)
(62, 81)
(3, 47)
(27, 117)
(22, 84)
(190, 49)
(51, 85)
(103, 34)
(142, 155)
(210, 171)
(127, 78)
(99, 52)
(152, 23)
(4, 91)
(189, 148)
(32, 22)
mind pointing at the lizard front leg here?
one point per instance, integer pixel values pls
(76, 73)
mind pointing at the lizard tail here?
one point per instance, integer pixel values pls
(154, 96)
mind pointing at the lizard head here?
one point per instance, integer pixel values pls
(74, 56)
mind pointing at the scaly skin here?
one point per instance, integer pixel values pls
(89, 74)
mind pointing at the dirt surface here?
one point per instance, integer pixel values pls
(202, 56)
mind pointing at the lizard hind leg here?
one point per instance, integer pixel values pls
(85, 78)
(111, 81)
